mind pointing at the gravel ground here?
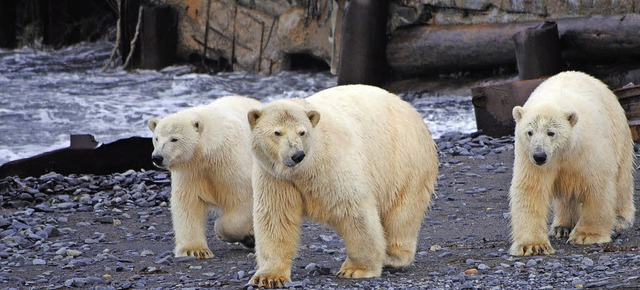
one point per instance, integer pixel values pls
(114, 232)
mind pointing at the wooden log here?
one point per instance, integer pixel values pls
(159, 36)
(8, 23)
(362, 43)
(538, 51)
(432, 49)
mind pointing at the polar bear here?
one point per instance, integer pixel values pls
(574, 150)
(207, 149)
(355, 157)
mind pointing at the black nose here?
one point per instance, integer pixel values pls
(157, 159)
(540, 158)
(298, 156)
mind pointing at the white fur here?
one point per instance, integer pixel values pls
(588, 171)
(369, 172)
(207, 150)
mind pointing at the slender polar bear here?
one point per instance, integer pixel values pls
(355, 157)
(207, 149)
(573, 149)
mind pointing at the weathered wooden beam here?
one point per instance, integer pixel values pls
(432, 49)
(362, 45)
(128, 23)
(159, 36)
(57, 22)
(538, 51)
(8, 23)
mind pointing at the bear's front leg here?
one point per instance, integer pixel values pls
(597, 215)
(364, 239)
(277, 215)
(529, 207)
(189, 217)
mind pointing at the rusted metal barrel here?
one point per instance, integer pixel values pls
(629, 98)
(493, 105)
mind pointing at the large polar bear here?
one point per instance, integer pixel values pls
(355, 157)
(207, 149)
(573, 150)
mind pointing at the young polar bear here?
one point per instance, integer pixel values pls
(355, 157)
(573, 148)
(207, 149)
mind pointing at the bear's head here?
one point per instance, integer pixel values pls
(282, 135)
(543, 130)
(175, 140)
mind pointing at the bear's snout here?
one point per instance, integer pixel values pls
(298, 156)
(157, 160)
(540, 158)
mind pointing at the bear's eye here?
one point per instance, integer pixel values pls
(551, 134)
(174, 139)
(156, 138)
(277, 133)
(302, 133)
(530, 133)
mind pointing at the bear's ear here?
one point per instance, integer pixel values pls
(572, 117)
(152, 123)
(197, 125)
(314, 117)
(253, 116)
(517, 113)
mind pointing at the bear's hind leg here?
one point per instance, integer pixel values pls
(597, 215)
(235, 225)
(566, 215)
(402, 226)
(625, 207)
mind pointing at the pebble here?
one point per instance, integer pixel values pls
(39, 262)
(31, 236)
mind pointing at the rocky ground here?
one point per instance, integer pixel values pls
(114, 232)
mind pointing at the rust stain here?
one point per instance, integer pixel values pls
(193, 9)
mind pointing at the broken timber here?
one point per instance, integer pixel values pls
(430, 49)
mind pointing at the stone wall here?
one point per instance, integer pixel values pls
(263, 35)
(258, 35)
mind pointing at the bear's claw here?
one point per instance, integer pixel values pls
(561, 231)
(271, 281)
(249, 242)
(532, 249)
(199, 253)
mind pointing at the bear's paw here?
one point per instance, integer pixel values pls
(269, 280)
(355, 272)
(531, 249)
(202, 253)
(581, 237)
